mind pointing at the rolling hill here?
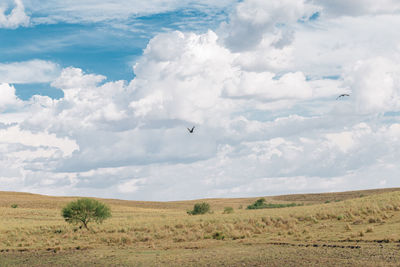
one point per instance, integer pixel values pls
(330, 229)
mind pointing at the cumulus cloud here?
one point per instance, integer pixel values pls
(16, 18)
(264, 106)
(86, 104)
(8, 97)
(14, 135)
(184, 83)
(264, 86)
(32, 71)
(375, 84)
(328, 46)
(358, 7)
(197, 78)
(130, 186)
(254, 19)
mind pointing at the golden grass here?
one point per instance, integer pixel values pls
(36, 224)
(332, 197)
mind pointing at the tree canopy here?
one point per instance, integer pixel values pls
(85, 210)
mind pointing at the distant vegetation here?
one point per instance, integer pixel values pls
(85, 210)
(139, 230)
(261, 204)
(218, 236)
(14, 206)
(228, 210)
(200, 208)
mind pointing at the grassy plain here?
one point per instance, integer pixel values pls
(334, 229)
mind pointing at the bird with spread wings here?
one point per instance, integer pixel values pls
(342, 95)
(190, 130)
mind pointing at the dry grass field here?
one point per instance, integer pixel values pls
(333, 229)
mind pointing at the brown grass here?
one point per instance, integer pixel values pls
(36, 225)
(332, 197)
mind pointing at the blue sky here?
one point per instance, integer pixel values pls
(96, 97)
(102, 47)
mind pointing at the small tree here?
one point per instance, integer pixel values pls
(259, 204)
(200, 208)
(85, 210)
(228, 210)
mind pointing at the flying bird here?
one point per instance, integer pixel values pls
(342, 95)
(191, 130)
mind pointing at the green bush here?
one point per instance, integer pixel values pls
(85, 210)
(14, 206)
(218, 236)
(200, 208)
(228, 210)
(260, 204)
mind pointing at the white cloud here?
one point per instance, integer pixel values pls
(253, 19)
(87, 104)
(186, 82)
(107, 10)
(8, 97)
(32, 71)
(327, 47)
(130, 186)
(14, 135)
(16, 18)
(264, 86)
(343, 140)
(197, 80)
(375, 84)
(267, 121)
(358, 7)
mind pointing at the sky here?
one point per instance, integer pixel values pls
(96, 97)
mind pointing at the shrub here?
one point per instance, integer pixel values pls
(14, 206)
(228, 210)
(85, 210)
(218, 236)
(260, 204)
(200, 208)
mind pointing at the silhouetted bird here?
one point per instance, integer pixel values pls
(191, 130)
(342, 95)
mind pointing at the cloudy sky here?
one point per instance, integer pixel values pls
(96, 96)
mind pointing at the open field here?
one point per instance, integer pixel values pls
(334, 229)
